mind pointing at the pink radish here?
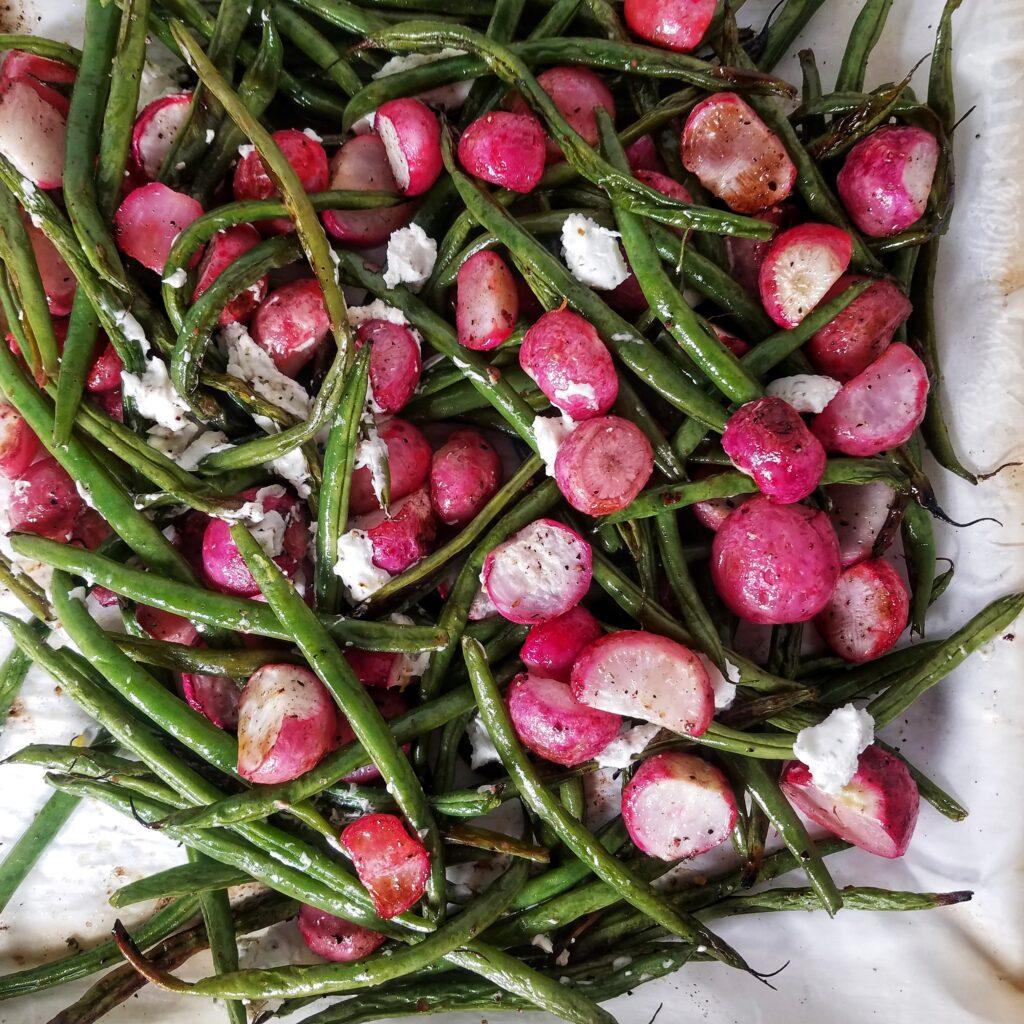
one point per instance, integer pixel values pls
(286, 723)
(291, 324)
(736, 156)
(21, 64)
(552, 723)
(111, 403)
(551, 647)
(32, 133)
(486, 303)
(675, 24)
(372, 668)
(392, 866)
(876, 810)
(221, 251)
(504, 149)
(148, 221)
(412, 139)
(105, 372)
(663, 183)
(18, 444)
(577, 93)
(859, 512)
(879, 408)
(867, 612)
(395, 363)
(737, 346)
(570, 364)
(464, 474)
(44, 501)
(799, 268)
(155, 130)
(390, 703)
(677, 805)
(166, 626)
(643, 156)
(401, 538)
(773, 563)
(646, 676)
(538, 573)
(747, 254)
(307, 158)
(408, 465)
(603, 465)
(769, 441)
(336, 939)
(89, 529)
(862, 332)
(887, 177)
(58, 281)
(215, 697)
(362, 164)
(713, 512)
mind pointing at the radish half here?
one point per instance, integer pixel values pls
(155, 130)
(858, 514)
(32, 134)
(392, 866)
(504, 149)
(551, 648)
(486, 301)
(334, 938)
(412, 140)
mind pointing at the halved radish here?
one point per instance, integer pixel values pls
(362, 164)
(403, 536)
(603, 465)
(390, 703)
(307, 158)
(148, 221)
(465, 472)
(713, 512)
(291, 324)
(166, 626)
(867, 612)
(44, 501)
(20, 63)
(58, 281)
(538, 573)
(336, 939)
(286, 723)
(736, 156)
(486, 302)
(887, 177)
(372, 668)
(552, 723)
(675, 24)
(862, 332)
(566, 358)
(504, 149)
(876, 810)
(412, 140)
(18, 444)
(155, 130)
(768, 440)
(747, 254)
(112, 403)
(221, 251)
(408, 466)
(215, 697)
(737, 346)
(643, 156)
(646, 676)
(773, 564)
(677, 805)
(32, 134)
(105, 372)
(663, 183)
(89, 529)
(393, 867)
(879, 408)
(395, 362)
(551, 648)
(859, 511)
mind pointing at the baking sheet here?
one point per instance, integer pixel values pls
(963, 964)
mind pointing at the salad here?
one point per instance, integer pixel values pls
(430, 408)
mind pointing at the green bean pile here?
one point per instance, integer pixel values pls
(259, 66)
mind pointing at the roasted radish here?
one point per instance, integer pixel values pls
(859, 512)
(58, 281)
(221, 251)
(395, 363)
(166, 626)
(464, 474)
(215, 697)
(18, 444)
(105, 372)
(408, 461)
(551, 648)
(403, 536)
(486, 301)
(412, 140)
(155, 130)
(393, 867)
(291, 324)
(44, 501)
(32, 133)
(334, 938)
(148, 221)
(675, 24)
(713, 512)
(504, 149)
(643, 156)
(390, 703)
(747, 254)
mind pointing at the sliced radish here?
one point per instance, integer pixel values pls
(390, 703)
(859, 512)
(392, 866)
(487, 301)
(21, 64)
(215, 697)
(58, 281)
(148, 221)
(504, 149)
(552, 723)
(643, 156)
(408, 457)
(286, 723)
(876, 810)
(32, 134)
(221, 251)
(18, 444)
(737, 346)
(465, 473)
(112, 403)
(44, 501)
(769, 441)
(403, 536)
(90, 529)
(887, 177)
(713, 512)
(736, 156)
(747, 254)
(155, 130)
(551, 647)
(677, 805)
(773, 564)
(538, 573)
(646, 676)
(412, 140)
(568, 361)
(861, 333)
(336, 939)
(395, 363)
(362, 164)
(166, 626)
(291, 324)
(664, 184)
(867, 612)
(372, 668)
(105, 372)
(879, 408)
(603, 465)
(675, 24)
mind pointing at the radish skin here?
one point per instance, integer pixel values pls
(336, 939)
(465, 473)
(403, 536)
(395, 363)
(215, 697)
(291, 325)
(18, 444)
(155, 130)
(408, 466)
(675, 24)
(412, 140)
(148, 221)
(44, 501)
(58, 281)
(221, 251)
(32, 134)
(551, 648)
(392, 866)
(486, 301)
(858, 514)
(504, 149)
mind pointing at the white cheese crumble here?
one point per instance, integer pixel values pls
(248, 362)
(543, 942)
(245, 149)
(550, 432)
(410, 257)
(210, 135)
(450, 96)
(177, 279)
(269, 533)
(592, 253)
(481, 749)
(806, 392)
(407, 666)
(372, 452)
(155, 396)
(189, 445)
(619, 753)
(355, 566)
(376, 310)
(723, 685)
(293, 467)
(576, 390)
(831, 748)
(310, 134)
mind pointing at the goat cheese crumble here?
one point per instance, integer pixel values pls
(619, 753)
(806, 392)
(831, 748)
(355, 566)
(155, 396)
(550, 432)
(592, 253)
(481, 749)
(411, 254)
(248, 362)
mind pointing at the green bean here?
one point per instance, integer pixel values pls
(810, 93)
(76, 759)
(866, 32)
(194, 877)
(41, 47)
(785, 26)
(940, 76)
(930, 790)
(919, 548)
(24, 588)
(839, 103)
(343, 14)
(220, 933)
(854, 898)
(26, 344)
(501, 27)
(12, 676)
(318, 48)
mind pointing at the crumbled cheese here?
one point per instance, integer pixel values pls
(210, 135)
(592, 253)
(310, 134)
(131, 329)
(576, 390)
(806, 392)
(619, 753)
(293, 467)
(248, 362)
(376, 310)
(411, 254)
(725, 688)
(155, 396)
(407, 666)
(187, 446)
(245, 150)
(550, 432)
(448, 97)
(481, 749)
(372, 452)
(831, 748)
(355, 566)
(482, 606)
(177, 279)
(77, 594)
(543, 942)
(269, 533)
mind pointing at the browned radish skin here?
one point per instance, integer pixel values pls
(747, 254)
(44, 501)
(148, 221)
(215, 697)
(737, 346)
(291, 324)
(412, 139)
(464, 474)
(675, 24)
(504, 149)
(486, 301)
(58, 281)
(32, 133)
(643, 156)
(372, 668)
(18, 444)
(551, 648)
(408, 465)
(336, 939)
(161, 625)
(221, 251)
(155, 131)
(858, 514)
(395, 363)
